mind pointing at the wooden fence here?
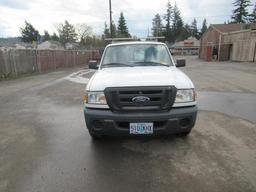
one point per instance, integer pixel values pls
(14, 62)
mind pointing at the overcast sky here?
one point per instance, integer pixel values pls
(45, 14)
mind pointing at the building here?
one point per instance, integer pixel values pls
(189, 46)
(72, 46)
(20, 46)
(236, 42)
(13, 43)
(50, 45)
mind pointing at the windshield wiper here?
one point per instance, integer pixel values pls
(116, 65)
(150, 63)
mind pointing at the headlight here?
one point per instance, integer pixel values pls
(96, 98)
(185, 95)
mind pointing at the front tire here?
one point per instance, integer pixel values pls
(185, 134)
(94, 135)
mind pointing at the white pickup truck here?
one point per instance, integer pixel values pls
(138, 90)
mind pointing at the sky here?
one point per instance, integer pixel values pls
(46, 15)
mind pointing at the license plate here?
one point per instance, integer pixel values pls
(141, 128)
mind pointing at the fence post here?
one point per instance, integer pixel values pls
(91, 53)
(14, 63)
(54, 59)
(2, 64)
(6, 63)
(66, 61)
(73, 58)
(38, 61)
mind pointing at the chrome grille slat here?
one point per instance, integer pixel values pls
(134, 95)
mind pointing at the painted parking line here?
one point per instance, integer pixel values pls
(79, 76)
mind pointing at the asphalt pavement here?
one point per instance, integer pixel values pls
(45, 147)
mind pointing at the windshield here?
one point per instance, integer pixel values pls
(136, 55)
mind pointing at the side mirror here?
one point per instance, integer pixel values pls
(101, 51)
(93, 64)
(180, 63)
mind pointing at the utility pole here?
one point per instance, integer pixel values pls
(110, 18)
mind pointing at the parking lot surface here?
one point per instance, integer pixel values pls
(45, 146)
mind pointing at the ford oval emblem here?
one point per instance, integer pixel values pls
(140, 99)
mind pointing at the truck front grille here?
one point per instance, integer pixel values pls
(132, 98)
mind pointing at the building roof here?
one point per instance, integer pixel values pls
(226, 28)
(50, 45)
(190, 42)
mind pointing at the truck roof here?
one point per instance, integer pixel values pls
(136, 43)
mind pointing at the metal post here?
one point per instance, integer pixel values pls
(219, 47)
(110, 18)
(254, 52)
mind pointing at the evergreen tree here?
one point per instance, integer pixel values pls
(55, 37)
(177, 24)
(252, 16)
(168, 19)
(122, 29)
(204, 27)
(194, 30)
(29, 34)
(106, 32)
(186, 32)
(114, 31)
(227, 22)
(47, 36)
(67, 33)
(240, 13)
(157, 27)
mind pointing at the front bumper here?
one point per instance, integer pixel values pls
(106, 122)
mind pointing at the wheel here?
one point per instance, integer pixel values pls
(94, 135)
(185, 134)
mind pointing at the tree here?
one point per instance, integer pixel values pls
(122, 29)
(106, 32)
(187, 31)
(252, 16)
(94, 41)
(194, 30)
(157, 27)
(168, 19)
(114, 30)
(177, 24)
(67, 33)
(55, 37)
(83, 31)
(29, 34)
(204, 27)
(47, 36)
(240, 13)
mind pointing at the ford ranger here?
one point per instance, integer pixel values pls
(139, 90)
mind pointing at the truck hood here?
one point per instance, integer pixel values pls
(138, 76)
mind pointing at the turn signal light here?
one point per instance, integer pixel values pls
(85, 98)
